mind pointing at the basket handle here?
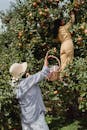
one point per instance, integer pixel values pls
(54, 57)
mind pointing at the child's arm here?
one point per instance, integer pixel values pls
(72, 20)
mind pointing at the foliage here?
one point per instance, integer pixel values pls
(26, 36)
(75, 79)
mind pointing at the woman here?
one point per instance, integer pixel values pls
(29, 95)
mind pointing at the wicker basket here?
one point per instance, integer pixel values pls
(54, 70)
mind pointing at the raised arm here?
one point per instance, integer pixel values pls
(72, 20)
(32, 80)
(41, 74)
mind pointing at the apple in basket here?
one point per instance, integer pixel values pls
(53, 73)
(54, 70)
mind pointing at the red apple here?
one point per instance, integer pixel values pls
(40, 12)
(57, 1)
(20, 45)
(20, 33)
(38, 1)
(50, 1)
(79, 39)
(35, 4)
(85, 31)
(55, 92)
(46, 10)
(30, 14)
(54, 49)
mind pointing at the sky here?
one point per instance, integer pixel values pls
(4, 4)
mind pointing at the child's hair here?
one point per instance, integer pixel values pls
(57, 24)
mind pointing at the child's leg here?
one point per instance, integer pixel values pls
(40, 124)
(63, 58)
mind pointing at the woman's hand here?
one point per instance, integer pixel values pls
(46, 59)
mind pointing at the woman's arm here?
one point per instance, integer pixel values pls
(32, 80)
(41, 74)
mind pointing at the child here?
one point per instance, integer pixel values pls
(62, 34)
(29, 96)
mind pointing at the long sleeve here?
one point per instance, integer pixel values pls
(36, 78)
(31, 81)
(69, 24)
(30, 96)
(64, 33)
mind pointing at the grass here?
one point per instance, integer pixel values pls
(63, 124)
(72, 126)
